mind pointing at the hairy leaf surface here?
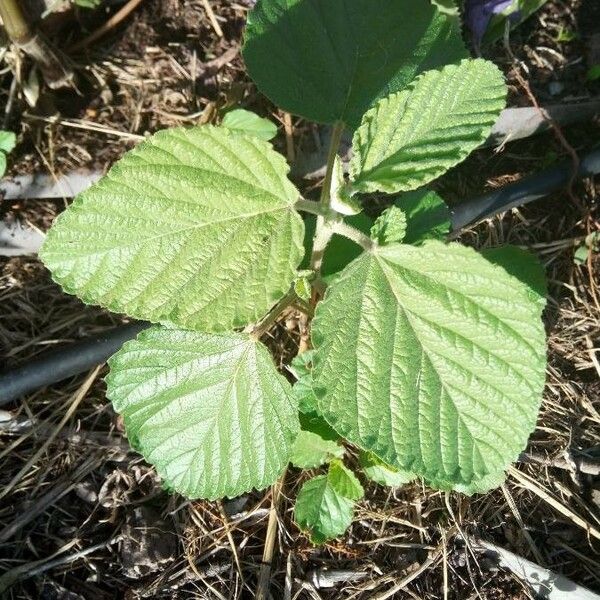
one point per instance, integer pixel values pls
(330, 60)
(194, 226)
(325, 504)
(411, 137)
(433, 359)
(209, 411)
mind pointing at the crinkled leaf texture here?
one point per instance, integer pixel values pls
(330, 60)
(432, 358)
(390, 226)
(194, 226)
(209, 411)
(411, 137)
(325, 504)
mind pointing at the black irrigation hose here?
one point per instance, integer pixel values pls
(62, 363)
(522, 192)
(59, 364)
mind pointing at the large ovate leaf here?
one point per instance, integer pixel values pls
(325, 504)
(524, 266)
(433, 359)
(194, 226)
(411, 137)
(209, 411)
(330, 60)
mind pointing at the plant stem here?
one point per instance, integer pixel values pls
(358, 237)
(52, 63)
(263, 326)
(314, 208)
(262, 590)
(323, 230)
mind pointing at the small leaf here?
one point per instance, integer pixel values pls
(412, 137)
(325, 504)
(341, 200)
(310, 450)
(248, 122)
(345, 481)
(329, 61)
(390, 227)
(302, 389)
(194, 227)
(427, 216)
(8, 140)
(2, 164)
(383, 474)
(433, 359)
(210, 412)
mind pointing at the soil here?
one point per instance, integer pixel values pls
(87, 518)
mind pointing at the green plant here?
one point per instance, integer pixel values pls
(8, 141)
(428, 356)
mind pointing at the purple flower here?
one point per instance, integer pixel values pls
(479, 12)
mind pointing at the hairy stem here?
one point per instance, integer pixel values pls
(358, 237)
(323, 231)
(314, 208)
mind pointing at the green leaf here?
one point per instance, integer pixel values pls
(312, 421)
(310, 450)
(209, 411)
(8, 140)
(325, 504)
(194, 226)
(427, 216)
(2, 164)
(432, 358)
(329, 61)
(383, 474)
(414, 136)
(345, 481)
(524, 266)
(245, 121)
(390, 226)
(300, 369)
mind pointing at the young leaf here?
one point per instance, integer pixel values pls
(329, 61)
(325, 504)
(210, 412)
(8, 141)
(427, 216)
(245, 121)
(379, 472)
(194, 226)
(411, 137)
(432, 358)
(310, 450)
(390, 227)
(302, 389)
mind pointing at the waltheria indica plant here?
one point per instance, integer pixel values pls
(427, 356)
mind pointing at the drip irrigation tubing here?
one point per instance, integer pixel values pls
(62, 363)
